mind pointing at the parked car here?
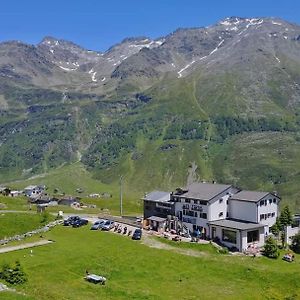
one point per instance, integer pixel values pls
(71, 220)
(137, 235)
(80, 222)
(107, 225)
(97, 224)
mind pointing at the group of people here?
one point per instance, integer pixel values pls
(119, 229)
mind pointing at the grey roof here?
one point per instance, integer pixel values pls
(204, 191)
(158, 196)
(251, 196)
(157, 219)
(236, 224)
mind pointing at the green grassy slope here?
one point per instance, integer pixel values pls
(135, 271)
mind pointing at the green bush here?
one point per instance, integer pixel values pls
(224, 250)
(295, 246)
(13, 274)
(271, 248)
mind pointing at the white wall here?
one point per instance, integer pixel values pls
(243, 210)
(290, 232)
(268, 209)
(215, 207)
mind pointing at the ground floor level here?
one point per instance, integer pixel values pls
(237, 235)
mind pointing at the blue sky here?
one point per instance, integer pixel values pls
(99, 24)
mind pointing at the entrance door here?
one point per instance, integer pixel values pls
(180, 215)
(213, 232)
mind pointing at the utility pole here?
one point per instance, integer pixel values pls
(121, 195)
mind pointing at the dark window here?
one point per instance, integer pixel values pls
(203, 215)
(187, 201)
(266, 201)
(274, 200)
(270, 201)
(262, 217)
(229, 236)
(253, 236)
(221, 214)
(221, 200)
(261, 203)
(203, 202)
(273, 215)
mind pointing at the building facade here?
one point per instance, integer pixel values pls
(238, 219)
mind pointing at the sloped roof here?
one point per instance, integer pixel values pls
(250, 196)
(158, 196)
(204, 191)
(236, 224)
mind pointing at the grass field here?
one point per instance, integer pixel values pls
(70, 177)
(135, 271)
(12, 224)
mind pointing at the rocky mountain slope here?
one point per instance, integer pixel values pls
(158, 110)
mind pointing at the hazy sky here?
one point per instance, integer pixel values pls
(97, 24)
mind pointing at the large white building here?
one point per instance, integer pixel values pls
(239, 219)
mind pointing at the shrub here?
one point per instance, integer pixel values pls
(271, 248)
(224, 250)
(296, 243)
(13, 274)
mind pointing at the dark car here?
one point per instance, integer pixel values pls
(71, 220)
(137, 235)
(80, 222)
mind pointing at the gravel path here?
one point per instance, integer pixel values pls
(150, 241)
(24, 246)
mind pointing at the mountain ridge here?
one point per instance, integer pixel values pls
(151, 108)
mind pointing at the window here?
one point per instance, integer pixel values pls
(273, 215)
(221, 214)
(261, 216)
(221, 200)
(229, 236)
(203, 202)
(187, 201)
(203, 215)
(270, 201)
(274, 200)
(269, 215)
(261, 203)
(266, 202)
(252, 236)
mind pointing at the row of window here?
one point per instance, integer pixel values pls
(192, 207)
(266, 201)
(194, 214)
(266, 216)
(193, 201)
